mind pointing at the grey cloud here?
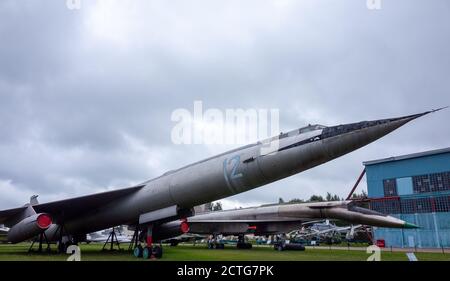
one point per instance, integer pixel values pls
(86, 95)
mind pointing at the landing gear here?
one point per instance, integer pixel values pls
(281, 244)
(64, 241)
(138, 251)
(157, 252)
(241, 244)
(278, 246)
(215, 243)
(135, 239)
(150, 251)
(146, 253)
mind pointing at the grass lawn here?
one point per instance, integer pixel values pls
(201, 253)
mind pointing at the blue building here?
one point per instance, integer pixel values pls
(415, 188)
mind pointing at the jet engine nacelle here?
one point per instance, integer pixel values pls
(171, 229)
(29, 227)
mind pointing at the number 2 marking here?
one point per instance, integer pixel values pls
(233, 173)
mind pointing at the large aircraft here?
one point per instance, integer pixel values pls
(173, 195)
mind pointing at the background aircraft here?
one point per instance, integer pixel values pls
(104, 236)
(276, 219)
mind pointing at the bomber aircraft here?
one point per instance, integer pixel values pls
(173, 195)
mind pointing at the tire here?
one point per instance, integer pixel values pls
(137, 252)
(146, 253)
(157, 252)
(244, 245)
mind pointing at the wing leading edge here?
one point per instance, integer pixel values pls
(68, 208)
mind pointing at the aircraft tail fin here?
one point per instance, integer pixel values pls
(33, 200)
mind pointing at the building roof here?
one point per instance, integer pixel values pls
(408, 156)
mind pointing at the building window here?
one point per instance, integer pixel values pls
(431, 183)
(387, 206)
(442, 204)
(411, 206)
(390, 187)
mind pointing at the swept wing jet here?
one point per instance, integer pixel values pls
(276, 219)
(174, 194)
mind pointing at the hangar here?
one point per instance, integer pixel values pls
(415, 188)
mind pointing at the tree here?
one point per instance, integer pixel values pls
(316, 198)
(363, 195)
(330, 197)
(217, 206)
(335, 198)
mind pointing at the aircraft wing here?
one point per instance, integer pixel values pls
(5, 215)
(68, 208)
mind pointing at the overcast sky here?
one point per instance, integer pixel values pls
(86, 95)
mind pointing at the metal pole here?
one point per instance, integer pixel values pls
(356, 184)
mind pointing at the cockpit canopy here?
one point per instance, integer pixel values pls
(302, 130)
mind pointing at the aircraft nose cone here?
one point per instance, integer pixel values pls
(410, 225)
(385, 125)
(342, 139)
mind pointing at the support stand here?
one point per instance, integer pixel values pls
(41, 238)
(112, 239)
(134, 240)
(61, 246)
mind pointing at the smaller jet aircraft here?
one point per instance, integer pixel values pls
(101, 236)
(271, 220)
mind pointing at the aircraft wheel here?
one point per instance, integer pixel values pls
(137, 252)
(279, 248)
(244, 245)
(157, 252)
(221, 246)
(146, 253)
(210, 245)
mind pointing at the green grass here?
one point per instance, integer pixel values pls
(201, 253)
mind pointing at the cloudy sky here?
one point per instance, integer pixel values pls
(86, 95)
